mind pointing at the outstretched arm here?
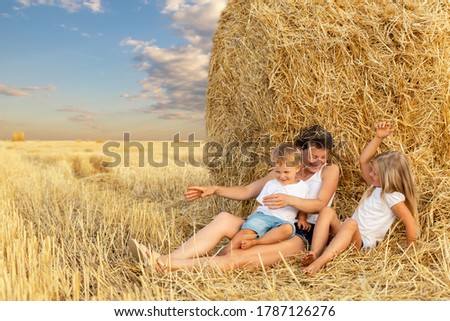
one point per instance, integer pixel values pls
(404, 214)
(382, 130)
(238, 192)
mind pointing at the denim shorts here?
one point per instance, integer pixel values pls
(306, 236)
(261, 223)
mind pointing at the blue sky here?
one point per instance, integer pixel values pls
(94, 69)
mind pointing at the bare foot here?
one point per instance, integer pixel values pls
(152, 255)
(154, 259)
(248, 244)
(313, 268)
(308, 258)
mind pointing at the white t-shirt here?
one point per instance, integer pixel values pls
(287, 213)
(315, 184)
(375, 217)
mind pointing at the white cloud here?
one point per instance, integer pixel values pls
(12, 91)
(173, 5)
(172, 114)
(177, 77)
(81, 33)
(37, 88)
(81, 116)
(72, 110)
(196, 21)
(94, 5)
(178, 116)
(69, 5)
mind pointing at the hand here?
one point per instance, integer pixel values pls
(303, 225)
(383, 129)
(195, 192)
(276, 201)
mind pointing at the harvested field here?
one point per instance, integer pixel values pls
(64, 238)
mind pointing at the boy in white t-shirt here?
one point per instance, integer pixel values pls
(267, 226)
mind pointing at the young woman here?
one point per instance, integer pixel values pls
(315, 144)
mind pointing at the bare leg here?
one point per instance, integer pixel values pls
(223, 225)
(275, 235)
(242, 236)
(256, 256)
(327, 223)
(348, 234)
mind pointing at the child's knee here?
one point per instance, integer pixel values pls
(327, 212)
(248, 233)
(350, 224)
(287, 229)
(223, 216)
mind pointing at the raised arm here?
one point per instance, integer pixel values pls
(237, 192)
(382, 130)
(404, 214)
(330, 179)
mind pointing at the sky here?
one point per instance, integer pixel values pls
(96, 69)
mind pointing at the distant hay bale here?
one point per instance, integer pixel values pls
(84, 166)
(278, 66)
(18, 137)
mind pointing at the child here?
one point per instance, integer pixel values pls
(267, 226)
(391, 194)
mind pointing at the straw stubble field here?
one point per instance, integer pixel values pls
(65, 223)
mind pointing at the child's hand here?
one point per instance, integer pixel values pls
(303, 225)
(383, 129)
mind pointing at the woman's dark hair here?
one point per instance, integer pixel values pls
(314, 136)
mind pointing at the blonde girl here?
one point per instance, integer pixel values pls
(391, 194)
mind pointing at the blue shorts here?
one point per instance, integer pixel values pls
(261, 223)
(306, 236)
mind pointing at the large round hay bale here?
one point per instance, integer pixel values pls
(277, 66)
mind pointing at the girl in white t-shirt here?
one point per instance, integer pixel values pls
(391, 194)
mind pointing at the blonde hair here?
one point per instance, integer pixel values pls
(396, 176)
(286, 153)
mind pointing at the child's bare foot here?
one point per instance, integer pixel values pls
(308, 258)
(248, 244)
(313, 268)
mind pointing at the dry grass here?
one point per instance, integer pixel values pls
(64, 238)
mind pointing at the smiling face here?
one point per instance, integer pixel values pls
(314, 158)
(286, 174)
(375, 174)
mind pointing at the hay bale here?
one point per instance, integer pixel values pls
(18, 137)
(278, 66)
